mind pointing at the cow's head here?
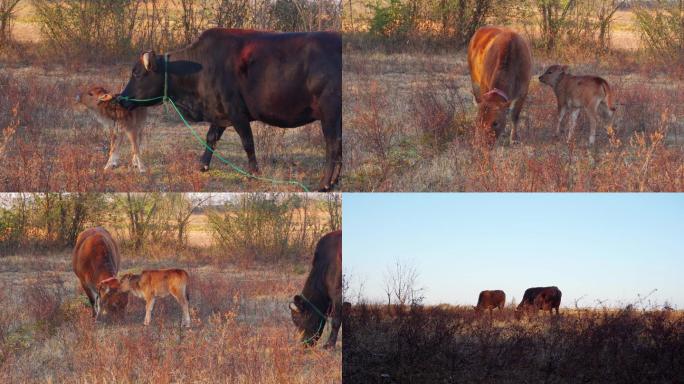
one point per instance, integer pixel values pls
(148, 76)
(307, 320)
(493, 112)
(553, 74)
(146, 82)
(93, 96)
(110, 298)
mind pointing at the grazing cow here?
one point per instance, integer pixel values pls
(232, 77)
(544, 298)
(111, 115)
(500, 65)
(575, 93)
(151, 284)
(96, 262)
(322, 293)
(490, 300)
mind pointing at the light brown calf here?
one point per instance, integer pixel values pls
(111, 115)
(575, 93)
(157, 283)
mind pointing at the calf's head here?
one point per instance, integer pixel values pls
(111, 299)
(93, 97)
(307, 320)
(493, 111)
(553, 74)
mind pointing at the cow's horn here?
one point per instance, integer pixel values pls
(294, 307)
(146, 60)
(105, 97)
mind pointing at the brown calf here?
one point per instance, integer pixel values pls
(111, 115)
(575, 93)
(500, 65)
(151, 284)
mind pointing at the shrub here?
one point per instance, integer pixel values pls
(7, 13)
(266, 228)
(662, 30)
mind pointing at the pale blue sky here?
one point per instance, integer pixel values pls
(606, 246)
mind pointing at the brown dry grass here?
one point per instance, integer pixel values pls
(455, 344)
(241, 328)
(409, 117)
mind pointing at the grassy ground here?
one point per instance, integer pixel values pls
(241, 329)
(409, 124)
(455, 344)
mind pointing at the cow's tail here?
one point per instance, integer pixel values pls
(606, 106)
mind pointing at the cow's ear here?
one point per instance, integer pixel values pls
(149, 60)
(105, 97)
(294, 308)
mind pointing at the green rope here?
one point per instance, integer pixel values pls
(167, 99)
(320, 325)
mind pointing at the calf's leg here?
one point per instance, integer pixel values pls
(149, 305)
(133, 138)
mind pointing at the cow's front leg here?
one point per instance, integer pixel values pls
(335, 323)
(245, 131)
(213, 136)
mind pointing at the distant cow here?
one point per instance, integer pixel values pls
(96, 262)
(500, 65)
(116, 118)
(230, 77)
(544, 298)
(575, 93)
(322, 293)
(490, 300)
(151, 284)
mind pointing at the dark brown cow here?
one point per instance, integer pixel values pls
(322, 293)
(544, 298)
(232, 77)
(500, 65)
(96, 263)
(490, 300)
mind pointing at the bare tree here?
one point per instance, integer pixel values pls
(401, 284)
(183, 206)
(8, 9)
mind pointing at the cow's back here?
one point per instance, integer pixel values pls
(500, 57)
(95, 254)
(328, 256)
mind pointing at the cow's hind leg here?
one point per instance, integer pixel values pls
(331, 124)
(245, 131)
(213, 136)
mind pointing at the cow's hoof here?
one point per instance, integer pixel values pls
(324, 188)
(204, 167)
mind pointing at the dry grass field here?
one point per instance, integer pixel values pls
(241, 328)
(409, 121)
(444, 344)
